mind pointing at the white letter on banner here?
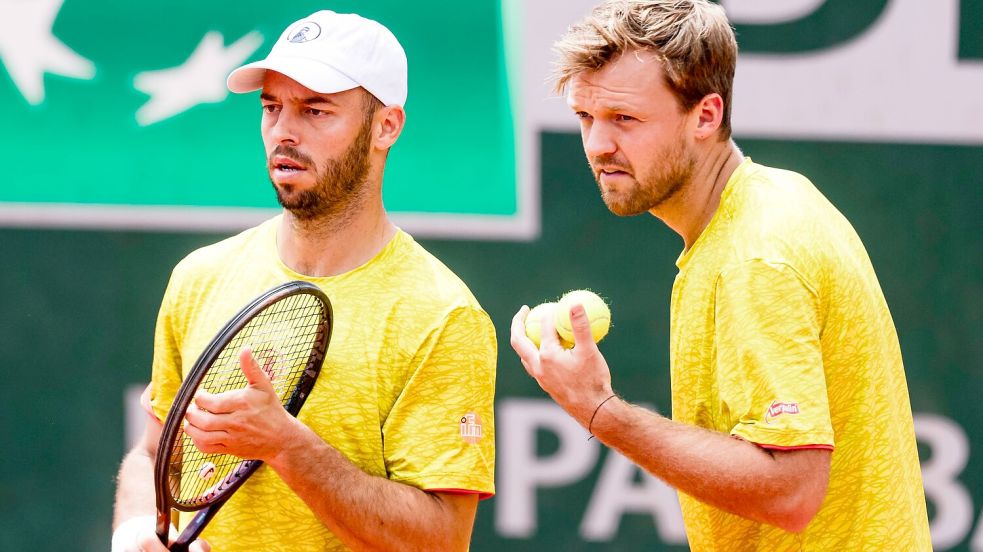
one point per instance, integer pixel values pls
(616, 493)
(769, 12)
(521, 472)
(950, 452)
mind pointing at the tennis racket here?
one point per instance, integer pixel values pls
(288, 328)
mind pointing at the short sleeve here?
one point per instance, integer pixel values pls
(166, 373)
(769, 357)
(440, 434)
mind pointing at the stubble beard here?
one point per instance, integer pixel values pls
(652, 189)
(340, 183)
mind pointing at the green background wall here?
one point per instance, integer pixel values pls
(78, 308)
(78, 313)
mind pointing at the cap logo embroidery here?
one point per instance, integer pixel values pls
(471, 429)
(304, 32)
(778, 408)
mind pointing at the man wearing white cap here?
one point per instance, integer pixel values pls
(395, 444)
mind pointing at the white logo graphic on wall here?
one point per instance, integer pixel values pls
(199, 80)
(29, 50)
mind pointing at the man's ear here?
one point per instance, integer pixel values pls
(710, 115)
(389, 122)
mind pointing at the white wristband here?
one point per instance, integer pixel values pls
(126, 536)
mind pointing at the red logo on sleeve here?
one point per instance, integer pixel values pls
(778, 408)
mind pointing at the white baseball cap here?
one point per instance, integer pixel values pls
(332, 52)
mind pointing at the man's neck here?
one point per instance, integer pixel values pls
(331, 247)
(691, 210)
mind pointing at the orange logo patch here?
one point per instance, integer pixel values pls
(471, 430)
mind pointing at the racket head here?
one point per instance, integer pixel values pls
(288, 329)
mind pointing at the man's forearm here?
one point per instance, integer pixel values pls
(783, 488)
(134, 487)
(368, 512)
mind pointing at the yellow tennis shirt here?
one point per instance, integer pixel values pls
(780, 335)
(406, 391)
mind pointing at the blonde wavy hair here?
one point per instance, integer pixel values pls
(691, 38)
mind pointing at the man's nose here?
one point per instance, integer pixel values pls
(598, 140)
(284, 129)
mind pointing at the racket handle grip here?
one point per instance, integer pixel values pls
(163, 527)
(195, 527)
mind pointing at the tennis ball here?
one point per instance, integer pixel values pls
(597, 312)
(534, 323)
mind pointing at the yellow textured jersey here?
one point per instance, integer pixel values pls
(781, 336)
(406, 391)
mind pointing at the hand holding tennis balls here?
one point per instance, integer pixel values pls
(534, 324)
(597, 312)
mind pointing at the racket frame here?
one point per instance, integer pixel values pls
(186, 393)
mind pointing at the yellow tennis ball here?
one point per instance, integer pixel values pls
(597, 312)
(534, 323)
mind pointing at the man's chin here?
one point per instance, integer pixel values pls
(292, 200)
(290, 193)
(293, 181)
(625, 212)
(621, 208)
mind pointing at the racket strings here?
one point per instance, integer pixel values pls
(281, 337)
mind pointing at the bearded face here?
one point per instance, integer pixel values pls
(630, 190)
(340, 182)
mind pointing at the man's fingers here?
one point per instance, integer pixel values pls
(580, 323)
(519, 320)
(254, 374)
(518, 339)
(206, 441)
(202, 419)
(214, 403)
(230, 401)
(521, 344)
(548, 335)
(205, 421)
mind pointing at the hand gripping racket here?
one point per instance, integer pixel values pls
(288, 328)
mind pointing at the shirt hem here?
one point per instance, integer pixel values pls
(145, 403)
(773, 438)
(794, 447)
(482, 495)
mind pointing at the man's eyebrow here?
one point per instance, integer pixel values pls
(604, 108)
(318, 100)
(618, 108)
(307, 101)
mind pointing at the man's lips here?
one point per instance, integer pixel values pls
(612, 172)
(606, 165)
(286, 164)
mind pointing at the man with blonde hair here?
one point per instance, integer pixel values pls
(791, 427)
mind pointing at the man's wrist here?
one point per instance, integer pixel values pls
(292, 438)
(126, 537)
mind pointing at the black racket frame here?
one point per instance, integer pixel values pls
(186, 393)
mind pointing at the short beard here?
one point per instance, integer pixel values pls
(654, 188)
(340, 182)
